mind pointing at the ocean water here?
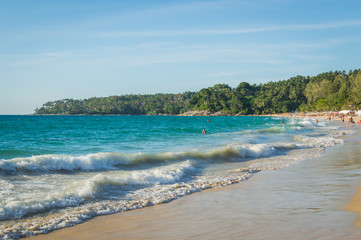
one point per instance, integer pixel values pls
(58, 171)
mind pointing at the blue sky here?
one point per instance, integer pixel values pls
(52, 50)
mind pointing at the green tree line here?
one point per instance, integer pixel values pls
(326, 91)
(126, 104)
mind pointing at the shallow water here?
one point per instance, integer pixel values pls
(57, 171)
(302, 201)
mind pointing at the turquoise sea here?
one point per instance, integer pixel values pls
(58, 171)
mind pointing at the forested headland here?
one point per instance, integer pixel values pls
(324, 92)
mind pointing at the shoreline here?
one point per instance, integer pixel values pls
(207, 208)
(330, 118)
(333, 115)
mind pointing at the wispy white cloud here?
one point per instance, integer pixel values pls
(174, 33)
(157, 44)
(88, 33)
(318, 26)
(56, 54)
(221, 74)
(233, 31)
(315, 58)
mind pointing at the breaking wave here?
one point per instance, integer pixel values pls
(112, 161)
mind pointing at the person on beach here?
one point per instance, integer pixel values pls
(350, 120)
(204, 131)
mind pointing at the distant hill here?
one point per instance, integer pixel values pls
(326, 91)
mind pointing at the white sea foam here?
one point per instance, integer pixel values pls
(326, 141)
(93, 188)
(310, 122)
(5, 184)
(161, 175)
(281, 161)
(64, 162)
(15, 209)
(143, 197)
(273, 130)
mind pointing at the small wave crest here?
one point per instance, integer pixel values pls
(324, 142)
(272, 130)
(309, 122)
(111, 161)
(115, 161)
(162, 175)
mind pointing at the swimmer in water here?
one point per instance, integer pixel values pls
(316, 121)
(281, 122)
(204, 131)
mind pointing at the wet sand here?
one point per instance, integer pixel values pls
(355, 206)
(303, 201)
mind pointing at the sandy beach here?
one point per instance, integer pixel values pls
(355, 206)
(315, 199)
(329, 116)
